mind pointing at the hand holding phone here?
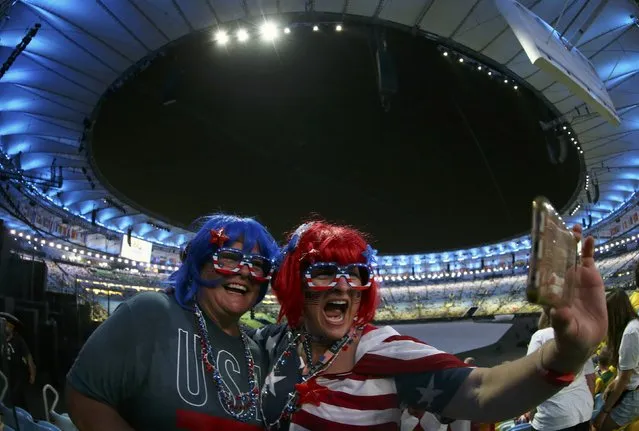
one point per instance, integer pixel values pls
(553, 253)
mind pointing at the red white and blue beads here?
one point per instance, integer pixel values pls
(242, 407)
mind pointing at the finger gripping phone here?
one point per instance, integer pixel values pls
(553, 256)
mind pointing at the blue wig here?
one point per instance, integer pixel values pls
(186, 280)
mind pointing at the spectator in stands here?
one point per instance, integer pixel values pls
(621, 405)
(605, 370)
(333, 363)
(570, 408)
(179, 360)
(21, 369)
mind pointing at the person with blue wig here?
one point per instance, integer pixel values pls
(178, 360)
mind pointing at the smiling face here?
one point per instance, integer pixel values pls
(235, 295)
(330, 314)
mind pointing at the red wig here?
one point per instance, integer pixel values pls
(330, 243)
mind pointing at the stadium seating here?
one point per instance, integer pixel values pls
(45, 426)
(486, 295)
(18, 418)
(62, 421)
(492, 296)
(505, 426)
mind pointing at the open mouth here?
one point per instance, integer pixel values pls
(335, 311)
(236, 288)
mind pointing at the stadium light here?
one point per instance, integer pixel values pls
(315, 28)
(287, 30)
(221, 37)
(338, 27)
(269, 31)
(461, 60)
(242, 35)
(445, 54)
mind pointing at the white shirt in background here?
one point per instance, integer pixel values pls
(629, 352)
(570, 406)
(428, 422)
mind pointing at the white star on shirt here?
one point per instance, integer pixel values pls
(429, 393)
(271, 380)
(270, 344)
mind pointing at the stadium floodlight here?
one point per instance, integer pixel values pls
(242, 35)
(445, 54)
(269, 31)
(315, 28)
(221, 37)
(287, 30)
(338, 27)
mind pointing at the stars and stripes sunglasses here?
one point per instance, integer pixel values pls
(322, 276)
(229, 261)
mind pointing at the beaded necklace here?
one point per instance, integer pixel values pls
(308, 372)
(243, 406)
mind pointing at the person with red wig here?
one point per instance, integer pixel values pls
(330, 368)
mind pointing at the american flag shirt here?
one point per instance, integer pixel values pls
(391, 372)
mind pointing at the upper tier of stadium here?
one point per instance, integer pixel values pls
(63, 58)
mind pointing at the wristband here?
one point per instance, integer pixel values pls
(554, 378)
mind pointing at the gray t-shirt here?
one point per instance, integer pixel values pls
(145, 361)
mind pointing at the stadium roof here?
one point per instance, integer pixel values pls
(84, 48)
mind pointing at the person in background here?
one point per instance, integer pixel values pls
(605, 370)
(621, 405)
(178, 360)
(21, 367)
(570, 408)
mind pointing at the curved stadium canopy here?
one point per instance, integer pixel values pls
(82, 48)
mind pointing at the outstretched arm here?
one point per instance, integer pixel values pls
(508, 390)
(512, 388)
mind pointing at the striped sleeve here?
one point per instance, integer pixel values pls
(426, 377)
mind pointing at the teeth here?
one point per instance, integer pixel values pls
(237, 287)
(338, 302)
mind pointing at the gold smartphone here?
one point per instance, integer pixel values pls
(553, 253)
